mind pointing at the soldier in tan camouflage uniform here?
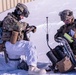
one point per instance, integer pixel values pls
(16, 43)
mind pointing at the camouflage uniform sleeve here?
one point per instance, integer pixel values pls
(8, 23)
(59, 33)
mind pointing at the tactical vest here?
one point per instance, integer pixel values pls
(11, 26)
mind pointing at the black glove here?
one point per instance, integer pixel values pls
(33, 29)
(30, 29)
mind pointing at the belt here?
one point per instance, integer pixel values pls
(14, 59)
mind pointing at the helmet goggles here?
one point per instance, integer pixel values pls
(25, 13)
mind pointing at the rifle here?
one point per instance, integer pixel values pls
(3, 49)
(28, 30)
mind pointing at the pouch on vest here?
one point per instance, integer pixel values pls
(14, 37)
(6, 35)
(68, 37)
(65, 65)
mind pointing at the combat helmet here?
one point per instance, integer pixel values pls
(66, 14)
(22, 9)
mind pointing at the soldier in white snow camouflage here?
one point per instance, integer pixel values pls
(16, 42)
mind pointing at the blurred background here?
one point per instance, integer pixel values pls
(8, 4)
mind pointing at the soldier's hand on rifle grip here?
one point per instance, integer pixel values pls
(34, 29)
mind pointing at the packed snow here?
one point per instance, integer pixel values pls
(39, 10)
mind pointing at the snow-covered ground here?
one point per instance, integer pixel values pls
(39, 10)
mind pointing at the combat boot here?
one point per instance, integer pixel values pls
(35, 70)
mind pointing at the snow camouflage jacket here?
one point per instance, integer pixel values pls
(10, 23)
(67, 29)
